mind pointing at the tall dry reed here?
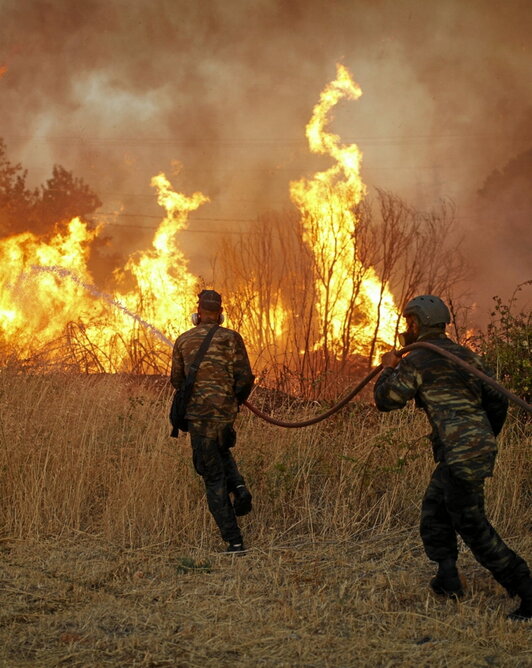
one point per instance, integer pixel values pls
(93, 454)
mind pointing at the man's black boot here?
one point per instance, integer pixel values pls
(524, 611)
(447, 581)
(236, 548)
(242, 502)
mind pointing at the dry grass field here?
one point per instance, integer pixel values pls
(109, 557)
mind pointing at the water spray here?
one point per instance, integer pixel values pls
(96, 292)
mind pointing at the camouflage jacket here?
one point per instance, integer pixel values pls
(224, 379)
(465, 414)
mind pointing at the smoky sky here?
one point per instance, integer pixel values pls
(117, 91)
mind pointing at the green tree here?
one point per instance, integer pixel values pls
(507, 343)
(16, 201)
(62, 197)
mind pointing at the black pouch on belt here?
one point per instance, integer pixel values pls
(228, 436)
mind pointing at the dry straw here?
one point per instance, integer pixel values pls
(108, 555)
(93, 454)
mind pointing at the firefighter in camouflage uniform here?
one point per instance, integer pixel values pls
(465, 415)
(223, 382)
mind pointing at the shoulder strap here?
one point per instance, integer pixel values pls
(182, 395)
(191, 376)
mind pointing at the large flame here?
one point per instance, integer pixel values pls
(46, 287)
(165, 287)
(35, 309)
(48, 293)
(351, 297)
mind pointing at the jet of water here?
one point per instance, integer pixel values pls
(96, 292)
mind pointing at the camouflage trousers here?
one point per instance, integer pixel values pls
(214, 462)
(452, 506)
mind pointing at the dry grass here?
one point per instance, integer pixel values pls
(109, 556)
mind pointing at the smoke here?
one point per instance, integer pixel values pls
(503, 210)
(117, 91)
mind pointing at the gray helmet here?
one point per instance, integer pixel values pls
(430, 310)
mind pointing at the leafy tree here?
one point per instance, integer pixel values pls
(62, 197)
(16, 201)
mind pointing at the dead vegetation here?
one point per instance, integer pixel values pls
(110, 557)
(359, 602)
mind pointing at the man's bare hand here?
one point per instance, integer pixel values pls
(390, 359)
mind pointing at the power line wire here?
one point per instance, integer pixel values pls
(392, 139)
(151, 228)
(161, 217)
(461, 219)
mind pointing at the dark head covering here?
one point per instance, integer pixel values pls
(210, 300)
(429, 310)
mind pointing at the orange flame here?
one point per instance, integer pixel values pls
(36, 306)
(3, 70)
(164, 283)
(349, 294)
(46, 286)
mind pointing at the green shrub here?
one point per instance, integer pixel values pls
(507, 344)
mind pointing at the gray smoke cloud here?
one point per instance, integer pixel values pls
(118, 91)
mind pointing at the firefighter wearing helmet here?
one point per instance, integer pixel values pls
(465, 415)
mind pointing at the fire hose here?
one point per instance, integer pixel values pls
(413, 346)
